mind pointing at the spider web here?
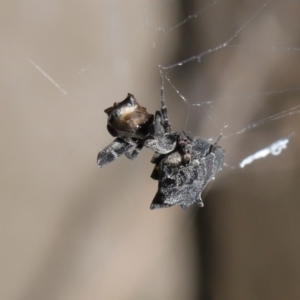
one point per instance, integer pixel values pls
(233, 70)
(72, 229)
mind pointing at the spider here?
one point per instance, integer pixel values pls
(183, 165)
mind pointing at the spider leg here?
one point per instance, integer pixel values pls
(164, 111)
(185, 145)
(112, 152)
(215, 145)
(159, 129)
(130, 141)
(162, 145)
(132, 155)
(217, 141)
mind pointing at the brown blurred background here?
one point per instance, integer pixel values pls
(72, 231)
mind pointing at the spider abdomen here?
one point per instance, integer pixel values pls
(180, 184)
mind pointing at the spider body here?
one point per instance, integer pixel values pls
(183, 165)
(182, 184)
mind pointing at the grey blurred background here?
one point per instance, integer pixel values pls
(72, 231)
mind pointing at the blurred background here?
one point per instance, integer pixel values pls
(72, 231)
